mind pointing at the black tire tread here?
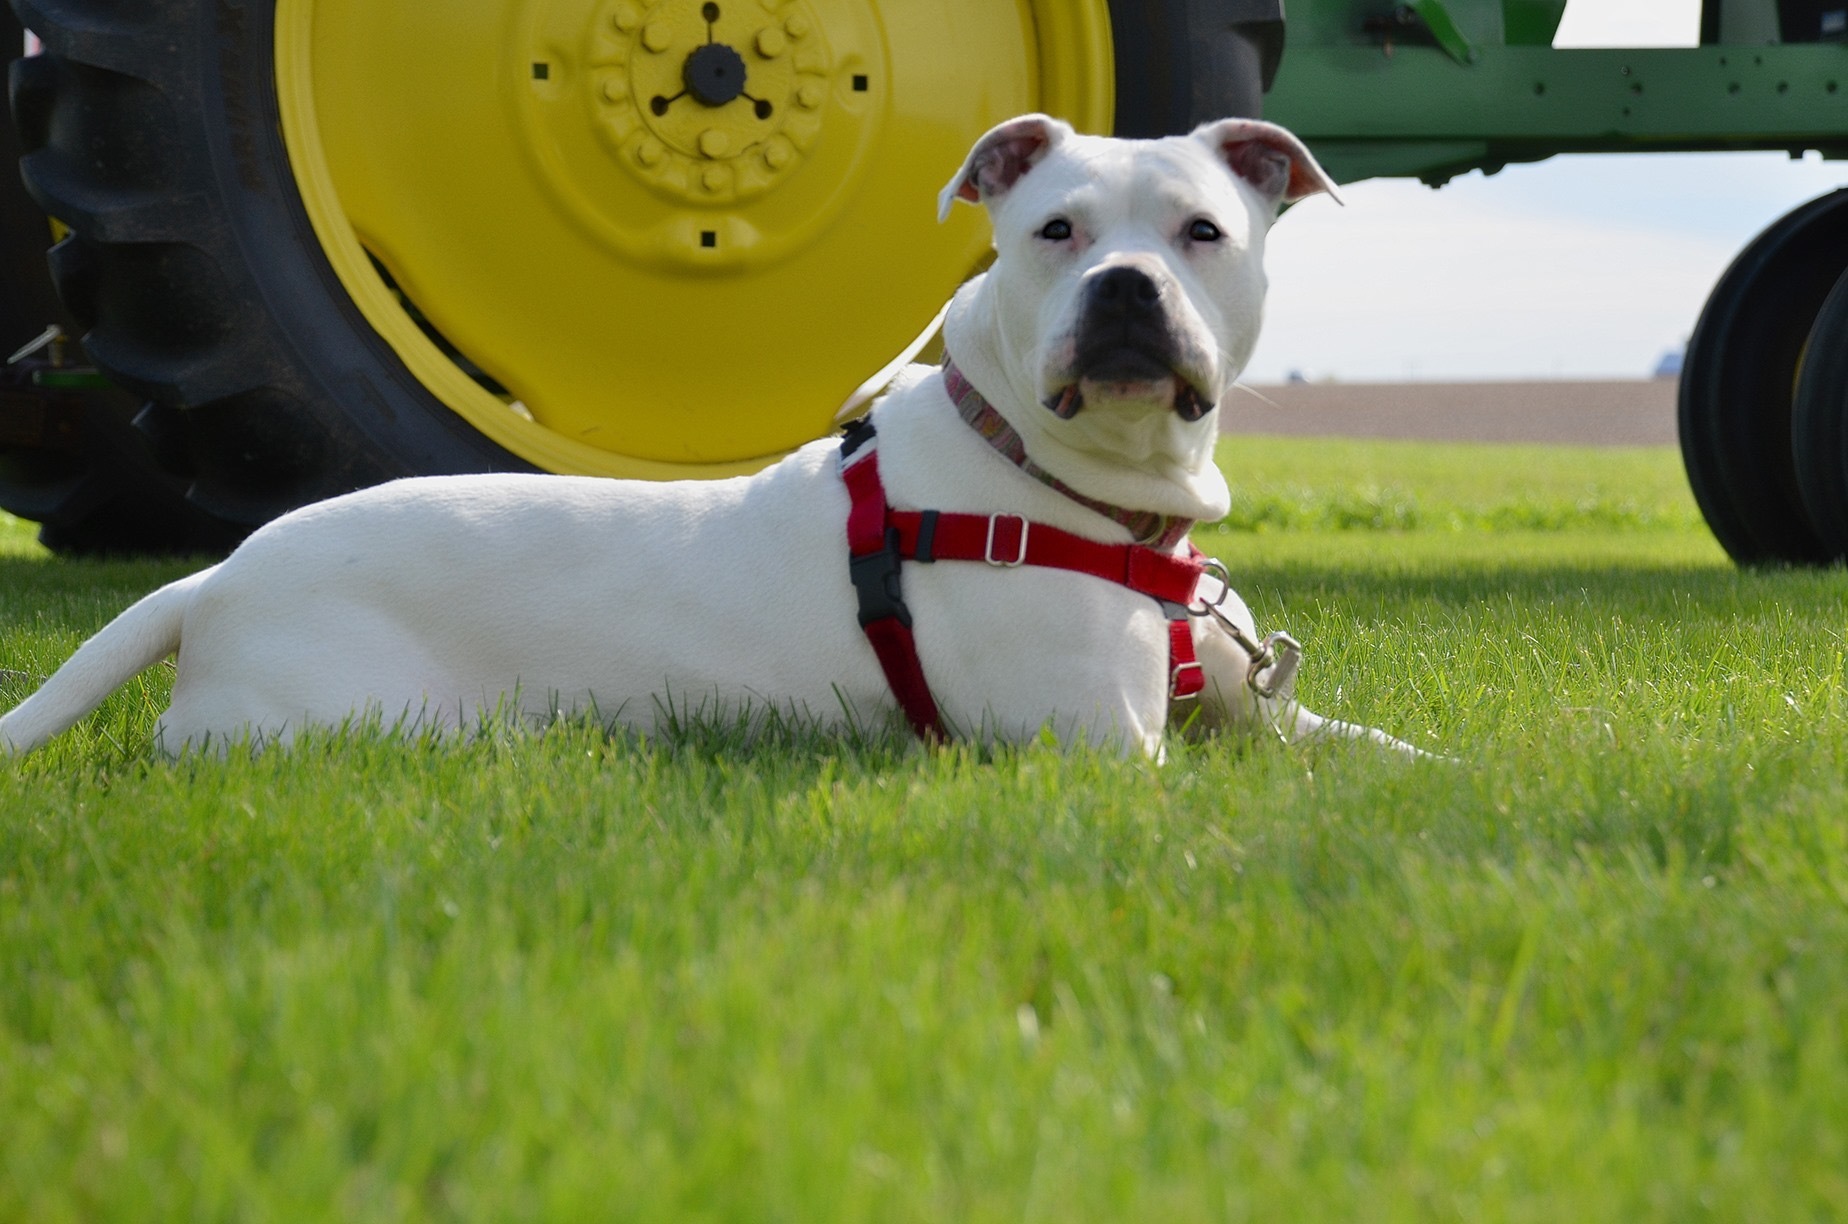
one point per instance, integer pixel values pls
(1819, 422)
(104, 491)
(152, 132)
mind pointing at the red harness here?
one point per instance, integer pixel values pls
(879, 538)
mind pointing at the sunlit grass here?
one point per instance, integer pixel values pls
(1347, 484)
(18, 538)
(1595, 969)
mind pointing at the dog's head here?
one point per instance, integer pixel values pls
(1128, 285)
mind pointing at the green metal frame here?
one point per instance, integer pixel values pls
(1473, 84)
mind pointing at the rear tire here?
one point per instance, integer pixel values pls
(1739, 379)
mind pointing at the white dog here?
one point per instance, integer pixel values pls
(1077, 404)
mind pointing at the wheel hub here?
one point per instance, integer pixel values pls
(715, 103)
(714, 75)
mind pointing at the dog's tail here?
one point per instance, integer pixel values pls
(142, 636)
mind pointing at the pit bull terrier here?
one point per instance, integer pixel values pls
(1077, 403)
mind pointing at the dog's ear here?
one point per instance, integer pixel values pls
(1268, 157)
(1000, 158)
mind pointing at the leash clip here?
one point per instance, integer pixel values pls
(1273, 668)
(1274, 660)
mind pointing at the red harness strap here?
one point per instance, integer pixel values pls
(880, 538)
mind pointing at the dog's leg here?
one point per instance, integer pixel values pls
(1297, 724)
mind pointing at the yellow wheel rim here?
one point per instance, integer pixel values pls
(679, 233)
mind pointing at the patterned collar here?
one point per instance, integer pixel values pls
(1155, 530)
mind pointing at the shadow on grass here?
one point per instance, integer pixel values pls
(1643, 587)
(35, 578)
(1471, 580)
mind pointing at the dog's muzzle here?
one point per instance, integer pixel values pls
(1125, 338)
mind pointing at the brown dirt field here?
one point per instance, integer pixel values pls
(1630, 413)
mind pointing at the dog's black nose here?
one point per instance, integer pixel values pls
(1124, 290)
(1125, 334)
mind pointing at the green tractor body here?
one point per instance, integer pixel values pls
(1476, 85)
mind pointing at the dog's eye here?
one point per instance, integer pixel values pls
(1056, 230)
(1204, 231)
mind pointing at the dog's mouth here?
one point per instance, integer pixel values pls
(1155, 383)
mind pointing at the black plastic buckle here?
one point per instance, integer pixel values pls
(855, 434)
(875, 581)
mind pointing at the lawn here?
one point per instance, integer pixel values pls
(1596, 968)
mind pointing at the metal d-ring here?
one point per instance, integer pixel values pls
(1217, 568)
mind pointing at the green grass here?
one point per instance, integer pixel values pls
(1597, 969)
(1336, 484)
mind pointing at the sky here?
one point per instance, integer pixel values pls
(1577, 267)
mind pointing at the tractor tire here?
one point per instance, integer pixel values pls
(1819, 423)
(1181, 63)
(1739, 379)
(279, 239)
(27, 303)
(150, 128)
(72, 459)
